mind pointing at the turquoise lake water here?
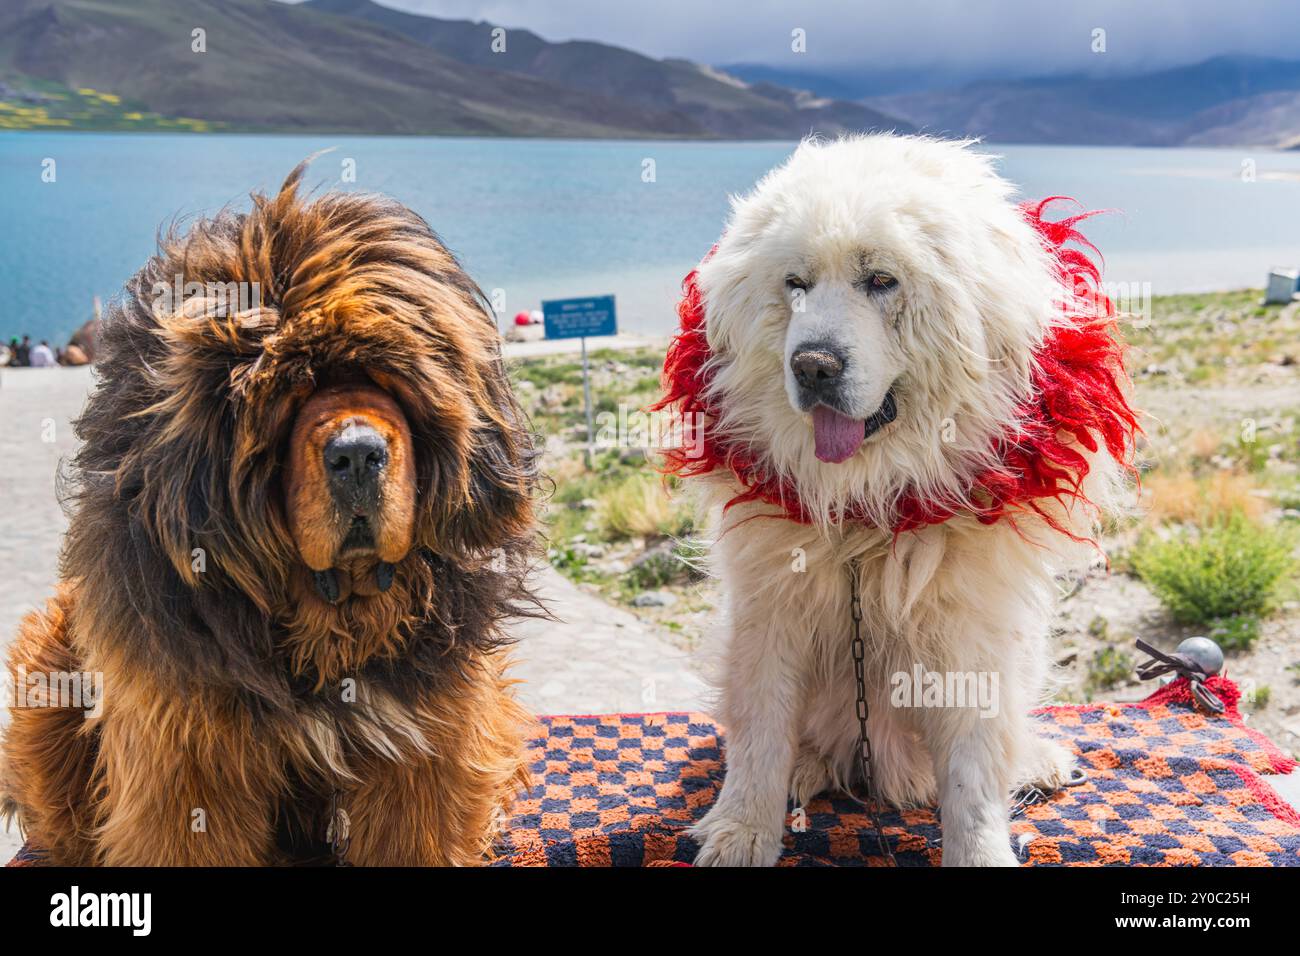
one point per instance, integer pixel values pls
(549, 219)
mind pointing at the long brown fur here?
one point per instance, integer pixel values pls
(237, 702)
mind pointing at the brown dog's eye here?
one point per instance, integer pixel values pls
(794, 282)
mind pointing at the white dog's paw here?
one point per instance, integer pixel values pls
(812, 774)
(1050, 766)
(992, 849)
(729, 842)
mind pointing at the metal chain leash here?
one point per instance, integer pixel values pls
(864, 739)
(1022, 800)
(1030, 793)
(1026, 797)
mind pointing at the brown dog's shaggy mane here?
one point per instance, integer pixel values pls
(183, 440)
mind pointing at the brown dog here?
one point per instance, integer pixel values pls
(297, 523)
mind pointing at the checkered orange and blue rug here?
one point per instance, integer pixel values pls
(1168, 786)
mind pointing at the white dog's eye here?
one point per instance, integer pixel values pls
(881, 281)
(794, 282)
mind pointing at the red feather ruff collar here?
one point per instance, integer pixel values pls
(1076, 395)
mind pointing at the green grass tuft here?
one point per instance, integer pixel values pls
(1108, 667)
(1227, 570)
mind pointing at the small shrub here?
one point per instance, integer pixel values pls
(571, 483)
(542, 374)
(1186, 499)
(664, 566)
(656, 571)
(1289, 500)
(569, 562)
(1253, 455)
(1202, 445)
(1109, 666)
(1235, 633)
(640, 506)
(1229, 569)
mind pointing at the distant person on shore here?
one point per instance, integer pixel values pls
(84, 340)
(23, 352)
(42, 356)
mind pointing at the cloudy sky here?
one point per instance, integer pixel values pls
(999, 37)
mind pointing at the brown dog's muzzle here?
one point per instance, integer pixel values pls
(350, 489)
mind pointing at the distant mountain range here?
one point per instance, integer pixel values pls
(1224, 101)
(354, 66)
(858, 83)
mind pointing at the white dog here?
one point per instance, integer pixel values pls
(904, 375)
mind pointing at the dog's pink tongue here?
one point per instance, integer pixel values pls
(836, 436)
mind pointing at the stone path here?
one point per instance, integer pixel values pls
(599, 659)
(36, 410)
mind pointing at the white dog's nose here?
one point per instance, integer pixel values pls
(817, 369)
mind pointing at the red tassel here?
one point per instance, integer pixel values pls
(1077, 393)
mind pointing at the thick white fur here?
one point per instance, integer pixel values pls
(956, 337)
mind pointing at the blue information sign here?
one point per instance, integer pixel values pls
(579, 318)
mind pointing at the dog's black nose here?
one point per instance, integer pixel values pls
(354, 459)
(817, 368)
